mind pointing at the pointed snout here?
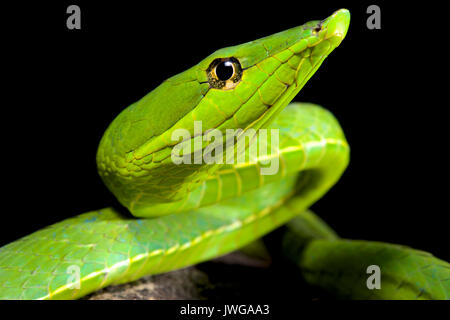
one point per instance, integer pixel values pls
(337, 25)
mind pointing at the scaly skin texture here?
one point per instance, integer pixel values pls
(193, 212)
(110, 248)
(340, 266)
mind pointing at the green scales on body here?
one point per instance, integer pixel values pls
(189, 213)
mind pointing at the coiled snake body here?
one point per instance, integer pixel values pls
(187, 213)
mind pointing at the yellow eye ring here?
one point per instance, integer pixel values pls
(224, 73)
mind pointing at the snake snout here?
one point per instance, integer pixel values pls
(337, 24)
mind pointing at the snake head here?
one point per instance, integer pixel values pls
(239, 87)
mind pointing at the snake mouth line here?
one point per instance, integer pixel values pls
(272, 110)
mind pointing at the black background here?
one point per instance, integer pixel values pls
(63, 87)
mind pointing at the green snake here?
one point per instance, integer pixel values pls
(191, 212)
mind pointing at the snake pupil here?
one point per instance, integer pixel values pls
(225, 70)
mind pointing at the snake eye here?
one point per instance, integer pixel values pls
(224, 73)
